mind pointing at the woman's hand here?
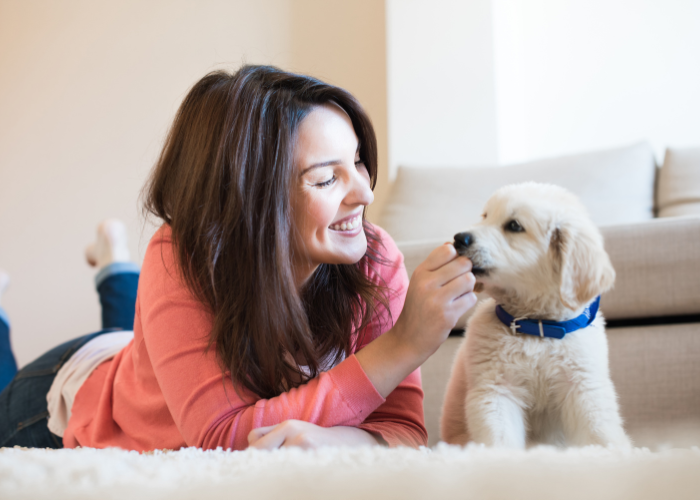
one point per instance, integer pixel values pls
(307, 435)
(440, 291)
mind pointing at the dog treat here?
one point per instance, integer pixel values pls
(478, 287)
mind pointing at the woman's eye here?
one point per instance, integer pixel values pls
(514, 227)
(326, 183)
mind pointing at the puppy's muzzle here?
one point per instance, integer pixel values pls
(463, 244)
(463, 241)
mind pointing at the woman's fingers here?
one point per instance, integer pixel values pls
(443, 265)
(439, 257)
(465, 302)
(256, 434)
(453, 269)
(267, 438)
(288, 433)
(459, 285)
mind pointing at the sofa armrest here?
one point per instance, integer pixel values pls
(658, 268)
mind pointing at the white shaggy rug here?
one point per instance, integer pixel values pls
(335, 473)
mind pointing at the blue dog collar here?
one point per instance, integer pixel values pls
(545, 328)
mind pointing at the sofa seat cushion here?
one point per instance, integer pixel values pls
(656, 371)
(679, 183)
(658, 268)
(616, 186)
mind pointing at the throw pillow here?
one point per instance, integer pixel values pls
(679, 183)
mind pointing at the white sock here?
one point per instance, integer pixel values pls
(110, 246)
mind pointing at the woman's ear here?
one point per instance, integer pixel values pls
(585, 269)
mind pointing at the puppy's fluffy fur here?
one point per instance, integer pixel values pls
(513, 390)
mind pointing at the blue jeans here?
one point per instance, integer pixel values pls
(8, 365)
(23, 407)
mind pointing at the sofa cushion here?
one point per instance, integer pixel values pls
(658, 268)
(616, 186)
(656, 372)
(679, 183)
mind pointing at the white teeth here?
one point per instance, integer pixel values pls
(349, 225)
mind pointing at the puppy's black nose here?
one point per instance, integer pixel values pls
(463, 240)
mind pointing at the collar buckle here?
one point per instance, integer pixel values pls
(514, 327)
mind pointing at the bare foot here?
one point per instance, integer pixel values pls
(4, 282)
(110, 245)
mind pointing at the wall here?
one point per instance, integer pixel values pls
(441, 83)
(586, 74)
(503, 81)
(344, 43)
(87, 92)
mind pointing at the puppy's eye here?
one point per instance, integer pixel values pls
(514, 227)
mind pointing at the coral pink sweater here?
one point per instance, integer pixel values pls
(166, 390)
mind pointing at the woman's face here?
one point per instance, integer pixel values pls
(332, 191)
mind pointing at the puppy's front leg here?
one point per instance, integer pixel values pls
(590, 414)
(453, 424)
(495, 417)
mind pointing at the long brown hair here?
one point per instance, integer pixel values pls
(223, 183)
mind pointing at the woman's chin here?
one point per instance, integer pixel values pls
(351, 256)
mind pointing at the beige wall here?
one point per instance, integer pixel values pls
(87, 92)
(344, 43)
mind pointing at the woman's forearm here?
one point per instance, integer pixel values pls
(440, 291)
(387, 361)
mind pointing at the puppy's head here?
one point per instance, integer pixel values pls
(536, 251)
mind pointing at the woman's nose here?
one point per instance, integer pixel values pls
(360, 191)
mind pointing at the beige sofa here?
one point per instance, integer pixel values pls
(650, 218)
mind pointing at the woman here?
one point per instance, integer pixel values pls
(269, 313)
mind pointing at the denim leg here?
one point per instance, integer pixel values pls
(117, 285)
(8, 365)
(23, 405)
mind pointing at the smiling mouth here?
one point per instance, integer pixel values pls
(347, 225)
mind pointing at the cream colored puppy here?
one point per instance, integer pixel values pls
(514, 382)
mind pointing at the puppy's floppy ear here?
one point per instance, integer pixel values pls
(585, 270)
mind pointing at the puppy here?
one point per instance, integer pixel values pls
(514, 382)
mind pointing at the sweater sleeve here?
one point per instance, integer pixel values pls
(205, 406)
(399, 420)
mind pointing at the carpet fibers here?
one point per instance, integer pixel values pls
(540, 473)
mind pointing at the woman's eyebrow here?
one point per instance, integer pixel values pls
(327, 163)
(320, 165)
